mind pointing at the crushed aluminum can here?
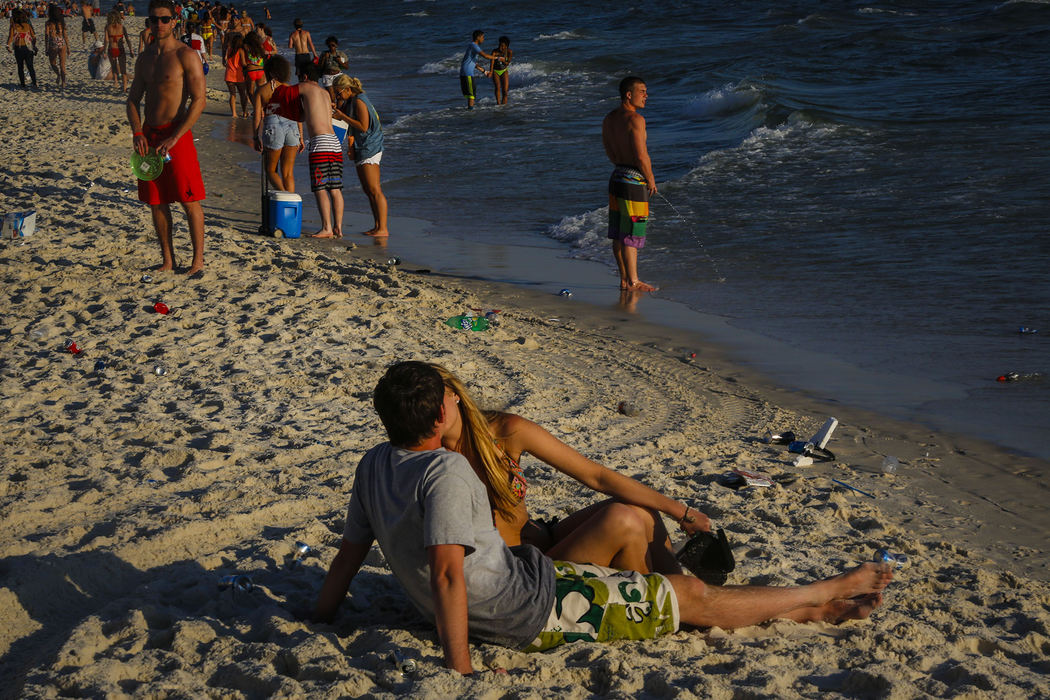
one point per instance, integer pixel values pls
(403, 664)
(70, 346)
(160, 371)
(565, 292)
(302, 550)
(238, 583)
(147, 279)
(161, 308)
(393, 261)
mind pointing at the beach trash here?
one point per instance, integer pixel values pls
(147, 279)
(160, 307)
(19, 224)
(1025, 330)
(468, 322)
(785, 438)
(403, 663)
(565, 292)
(301, 551)
(147, 167)
(803, 461)
(1019, 377)
(160, 370)
(100, 366)
(899, 561)
(70, 346)
(393, 261)
(628, 409)
(890, 464)
(238, 583)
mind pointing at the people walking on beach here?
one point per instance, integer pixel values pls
(468, 66)
(277, 137)
(632, 181)
(116, 39)
(87, 24)
(625, 531)
(170, 77)
(332, 63)
(302, 44)
(232, 59)
(356, 110)
(428, 511)
(325, 155)
(501, 59)
(56, 43)
(22, 40)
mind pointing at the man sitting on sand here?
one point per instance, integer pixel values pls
(325, 154)
(169, 74)
(431, 516)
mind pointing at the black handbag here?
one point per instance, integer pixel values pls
(708, 557)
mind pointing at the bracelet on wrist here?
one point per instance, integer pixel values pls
(686, 518)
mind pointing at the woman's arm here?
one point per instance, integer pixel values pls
(525, 436)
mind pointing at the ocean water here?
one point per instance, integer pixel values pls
(866, 182)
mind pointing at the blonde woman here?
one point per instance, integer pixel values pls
(356, 110)
(625, 532)
(116, 39)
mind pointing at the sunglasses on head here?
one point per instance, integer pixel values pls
(154, 19)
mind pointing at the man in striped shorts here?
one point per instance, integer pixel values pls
(325, 155)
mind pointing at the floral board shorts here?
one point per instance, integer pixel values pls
(599, 604)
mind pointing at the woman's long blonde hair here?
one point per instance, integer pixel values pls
(477, 443)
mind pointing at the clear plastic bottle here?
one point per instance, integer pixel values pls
(890, 464)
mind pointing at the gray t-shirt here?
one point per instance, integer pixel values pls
(409, 501)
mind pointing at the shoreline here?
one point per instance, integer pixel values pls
(127, 494)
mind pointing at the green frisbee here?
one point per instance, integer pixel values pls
(147, 167)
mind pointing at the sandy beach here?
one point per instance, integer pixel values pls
(216, 437)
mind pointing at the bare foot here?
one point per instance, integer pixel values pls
(869, 577)
(641, 286)
(194, 269)
(836, 612)
(163, 267)
(323, 234)
(378, 233)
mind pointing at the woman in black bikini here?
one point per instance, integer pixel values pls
(501, 59)
(624, 532)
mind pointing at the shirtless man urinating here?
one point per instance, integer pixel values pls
(170, 76)
(632, 181)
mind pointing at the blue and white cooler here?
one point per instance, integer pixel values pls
(285, 214)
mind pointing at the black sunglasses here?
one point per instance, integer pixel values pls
(154, 19)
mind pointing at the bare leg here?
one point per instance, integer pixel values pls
(337, 213)
(324, 207)
(162, 225)
(729, 607)
(837, 611)
(630, 265)
(232, 87)
(288, 167)
(195, 218)
(591, 532)
(62, 64)
(505, 80)
(369, 177)
(617, 248)
(275, 178)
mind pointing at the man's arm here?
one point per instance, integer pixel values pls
(342, 571)
(636, 132)
(450, 603)
(138, 89)
(310, 43)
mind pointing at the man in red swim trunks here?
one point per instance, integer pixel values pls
(168, 73)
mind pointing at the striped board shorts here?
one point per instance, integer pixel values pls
(326, 163)
(599, 604)
(628, 206)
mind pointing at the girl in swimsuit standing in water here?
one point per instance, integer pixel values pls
(624, 532)
(56, 44)
(501, 59)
